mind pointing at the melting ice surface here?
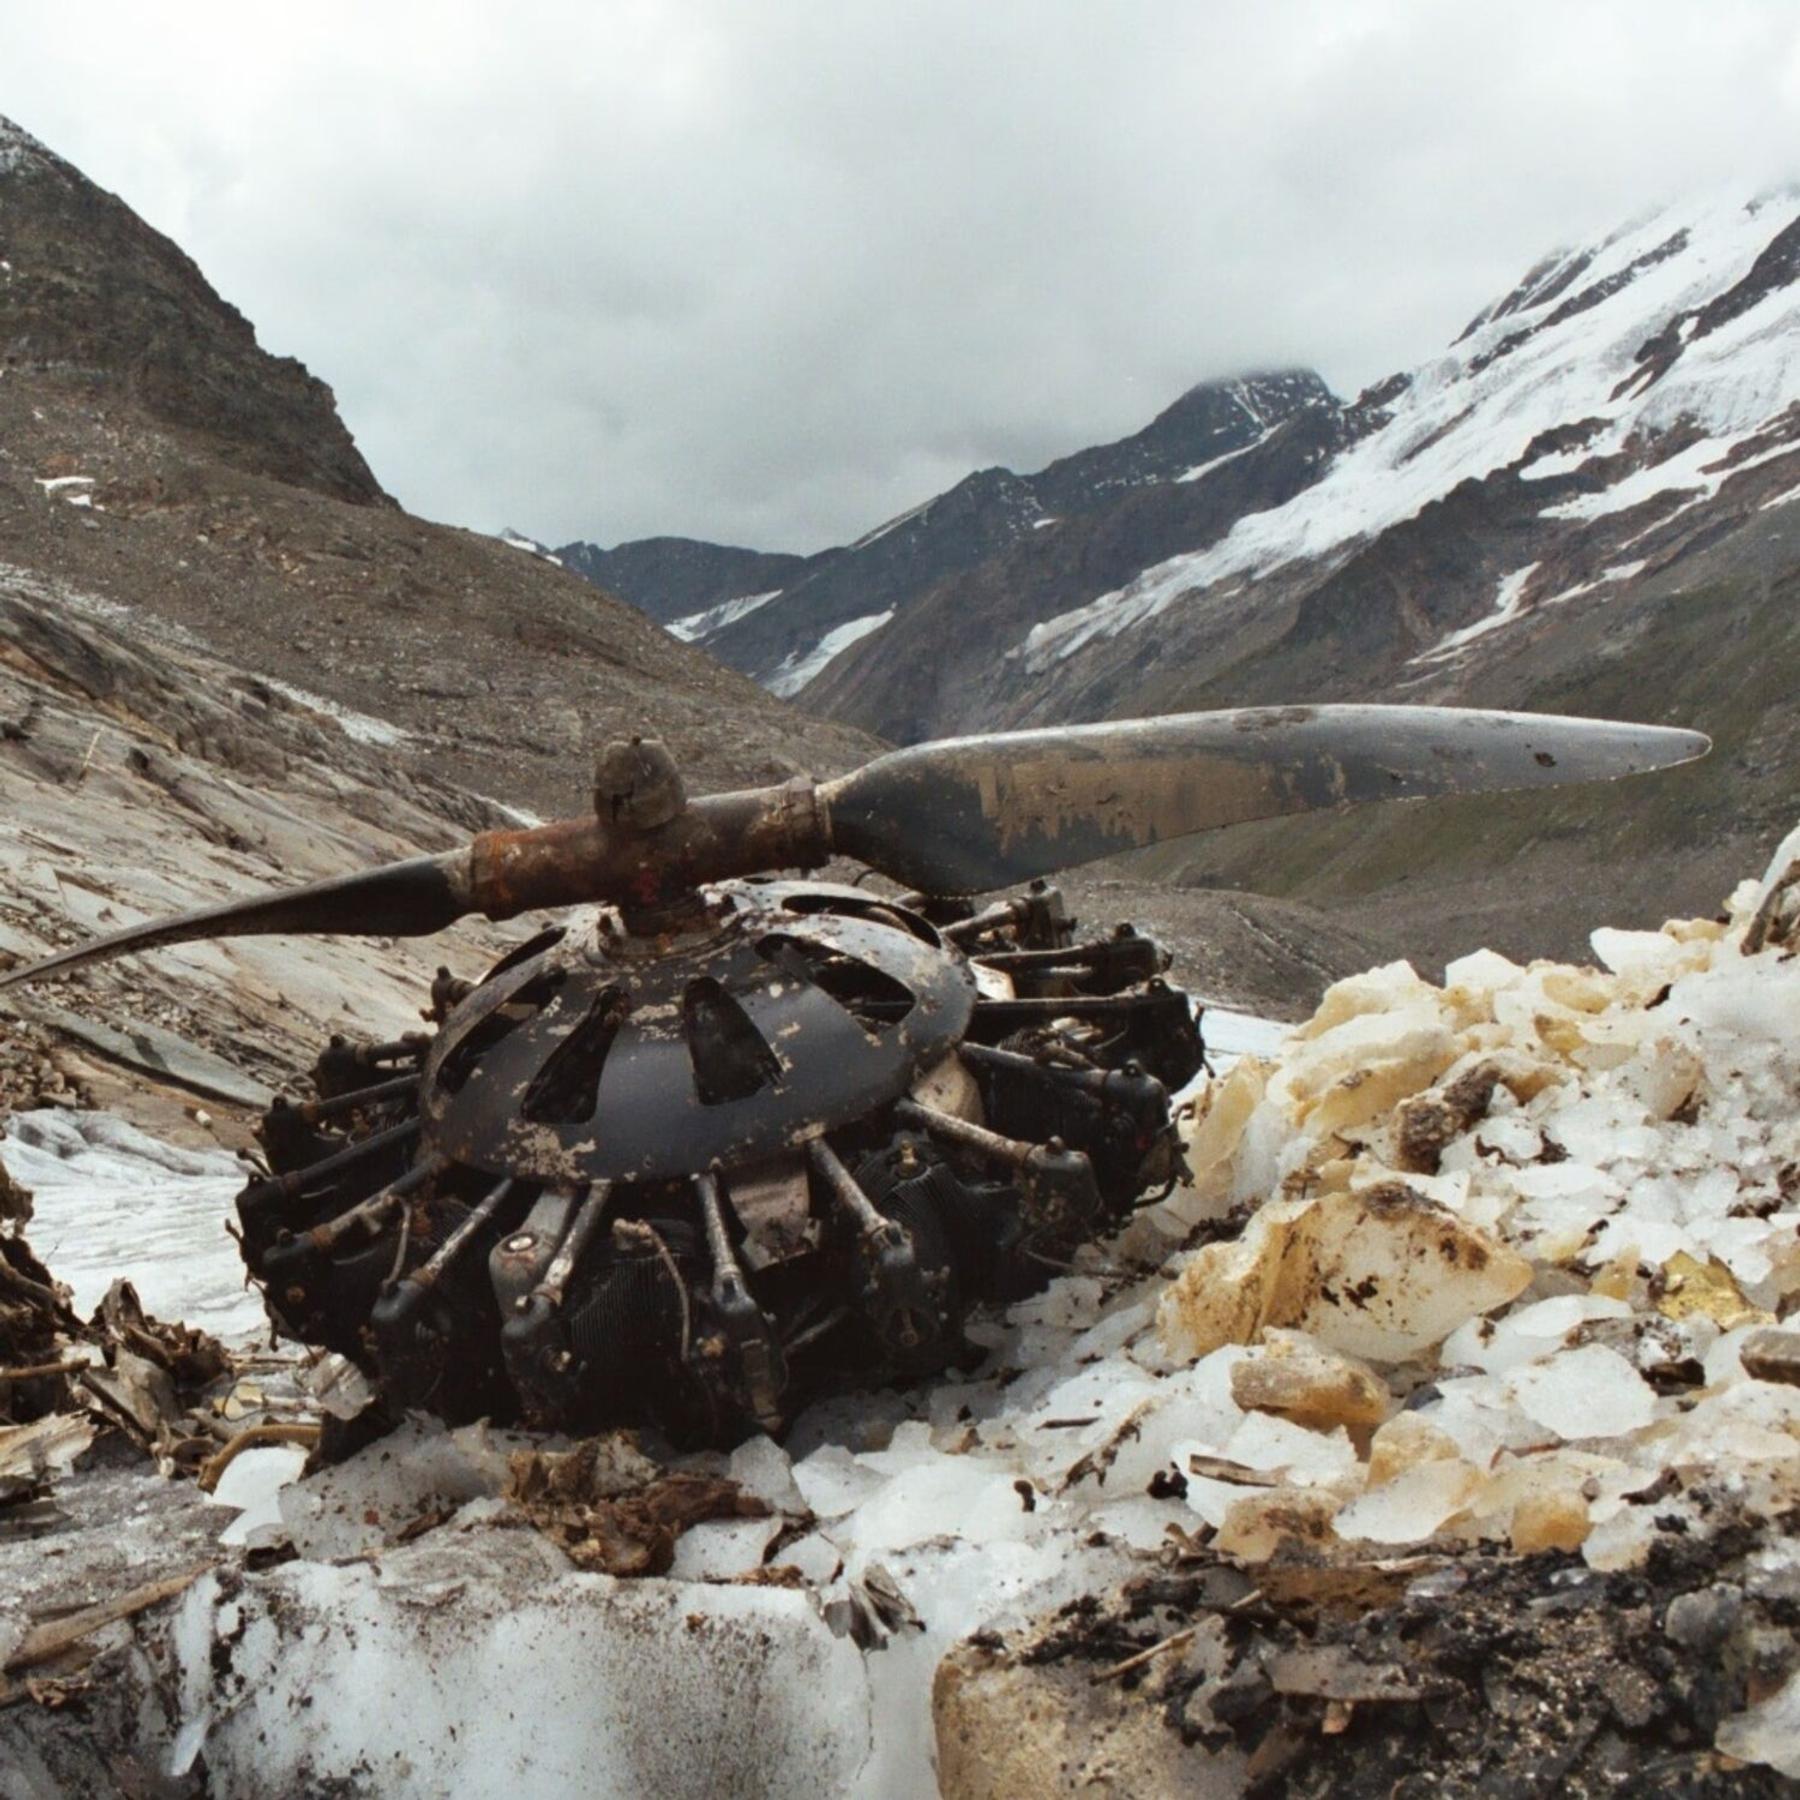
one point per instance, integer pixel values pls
(112, 1201)
(695, 1683)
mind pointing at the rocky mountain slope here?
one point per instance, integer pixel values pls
(784, 619)
(139, 779)
(154, 457)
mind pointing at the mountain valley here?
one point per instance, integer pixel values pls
(1584, 504)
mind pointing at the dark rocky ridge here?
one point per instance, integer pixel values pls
(932, 672)
(89, 293)
(1062, 518)
(673, 577)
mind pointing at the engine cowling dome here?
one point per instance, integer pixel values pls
(803, 1008)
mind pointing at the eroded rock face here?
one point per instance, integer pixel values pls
(92, 292)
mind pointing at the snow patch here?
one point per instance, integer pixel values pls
(1608, 577)
(1698, 471)
(364, 728)
(1508, 604)
(112, 1201)
(1215, 462)
(696, 627)
(516, 540)
(800, 667)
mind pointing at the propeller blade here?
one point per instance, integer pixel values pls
(970, 814)
(957, 817)
(404, 899)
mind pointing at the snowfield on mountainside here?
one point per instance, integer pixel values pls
(1565, 353)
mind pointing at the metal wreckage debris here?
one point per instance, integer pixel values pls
(723, 1142)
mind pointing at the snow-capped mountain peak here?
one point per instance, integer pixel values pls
(517, 540)
(1661, 362)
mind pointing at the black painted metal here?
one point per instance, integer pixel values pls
(823, 1061)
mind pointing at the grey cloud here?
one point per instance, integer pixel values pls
(771, 273)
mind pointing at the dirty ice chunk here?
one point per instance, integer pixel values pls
(1481, 972)
(1405, 1441)
(1481, 1414)
(1301, 1379)
(1526, 1335)
(1359, 1070)
(1382, 1274)
(945, 1497)
(1192, 1406)
(1138, 1521)
(630, 1686)
(1270, 1520)
(1592, 1392)
(1768, 1732)
(1071, 1304)
(362, 1502)
(761, 1467)
(1113, 1332)
(720, 1549)
(1307, 1458)
(1412, 1506)
(1376, 991)
(833, 1482)
(815, 1556)
(252, 1485)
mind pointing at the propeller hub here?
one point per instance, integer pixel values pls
(637, 786)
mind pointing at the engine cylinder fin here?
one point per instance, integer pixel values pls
(371, 1214)
(297, 1181)
(749, 1341)
(967, 1133)
(589, 1214)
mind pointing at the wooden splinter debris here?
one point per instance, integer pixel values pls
(88, 760)
(35, 1371)
(1120, 1669)
(46, 1642)
(1174, 1641)
(288, 1432)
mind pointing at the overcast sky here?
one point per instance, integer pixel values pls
(768, 272)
